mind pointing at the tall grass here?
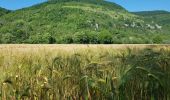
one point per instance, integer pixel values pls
(91, 73)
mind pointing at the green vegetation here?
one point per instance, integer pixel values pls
(79, 21)
(87, 73)
(3, 11)
(157, 17)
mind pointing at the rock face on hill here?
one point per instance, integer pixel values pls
(79, 21)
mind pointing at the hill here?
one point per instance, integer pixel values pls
(79, 21)
(3, 11)
(161, 17)
(151, 13)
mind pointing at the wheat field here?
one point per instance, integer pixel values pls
(84, 72)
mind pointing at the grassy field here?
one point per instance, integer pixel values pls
(84, 72)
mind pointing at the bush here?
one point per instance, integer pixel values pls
(105, 37)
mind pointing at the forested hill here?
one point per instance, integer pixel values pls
(152, 13)
(79, 21)
(160, 17)
(3, 11)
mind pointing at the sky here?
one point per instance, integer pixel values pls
(130, 5)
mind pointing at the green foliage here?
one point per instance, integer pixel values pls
(80, 21)
(3, 11)
(159, 17)
(7, 38)
(105, 37)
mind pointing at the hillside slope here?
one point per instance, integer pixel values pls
(3, 11)
(161, 17)
(78, 21)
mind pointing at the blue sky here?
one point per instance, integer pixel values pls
(18, 4)
(131, 5)
(144, 5)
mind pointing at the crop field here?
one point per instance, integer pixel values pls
(84, 72)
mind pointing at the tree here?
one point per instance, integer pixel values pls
(51, 40)
(105, 37)
(7, 38)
